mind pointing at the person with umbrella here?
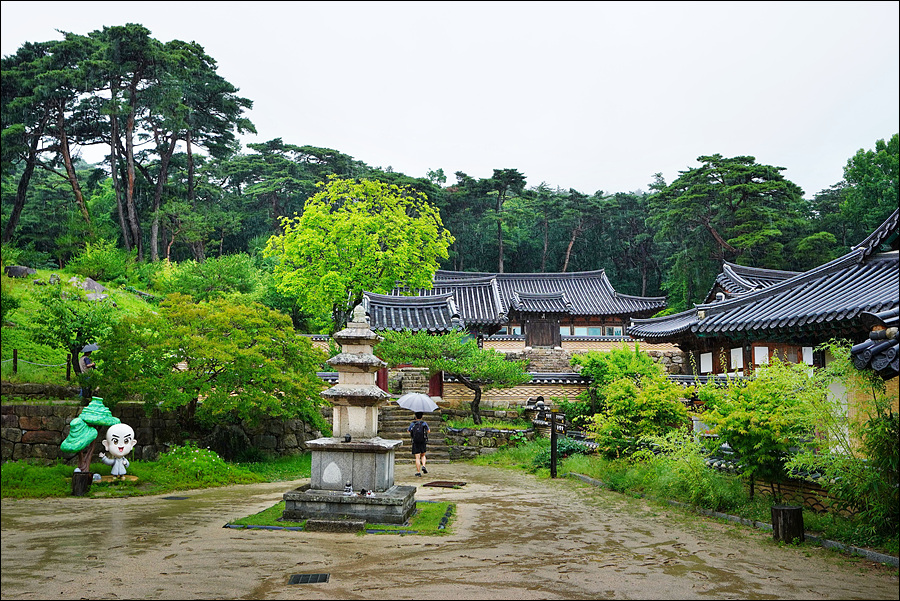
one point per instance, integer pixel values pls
(418, 430)
(86, 364)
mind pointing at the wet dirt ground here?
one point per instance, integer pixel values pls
(514, 536)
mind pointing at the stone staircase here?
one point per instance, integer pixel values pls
(392, 424)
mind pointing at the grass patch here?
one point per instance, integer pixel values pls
(184, 468)
(281, 469)
(39, 363)
(425, 521)
(468, 422)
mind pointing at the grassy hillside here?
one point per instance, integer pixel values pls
(38, 362)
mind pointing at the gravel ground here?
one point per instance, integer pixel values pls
(514, 536)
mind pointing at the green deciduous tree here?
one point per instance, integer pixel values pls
(354, 237)
(215, 361)
(68, 321)
(477, 369)
(635, 409)
(857, 445)
(872, 187)
(628, 398)
(763, 418)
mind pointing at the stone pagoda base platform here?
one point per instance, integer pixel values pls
(393, 506)
(362, 464)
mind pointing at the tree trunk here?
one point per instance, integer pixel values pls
(276, 212)
(114, 174)
(476, 402)
(190, 165)
(85, 456)
(576, 231)
(70, 167)
(546, 246)
(22, 188)
(164, 158)
(499, 234)
(134, 223)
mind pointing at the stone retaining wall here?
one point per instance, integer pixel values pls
(35, 431)
(466, 443)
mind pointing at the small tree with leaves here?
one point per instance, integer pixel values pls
(67, 320)
(763, 418)
(477, 369)
(213, 362)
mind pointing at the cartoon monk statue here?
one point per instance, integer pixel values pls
(118, 443)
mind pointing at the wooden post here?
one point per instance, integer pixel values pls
(553, 444)
(68, 367)
(787, 523)
(81, 483)
(15, 360)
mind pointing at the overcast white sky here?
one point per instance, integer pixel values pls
(591, 96)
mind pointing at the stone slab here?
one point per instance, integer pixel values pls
(393, 506)
(334, 525)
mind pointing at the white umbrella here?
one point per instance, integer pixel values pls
(416, 401)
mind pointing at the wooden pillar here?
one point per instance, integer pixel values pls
(81, 483)
(553, 438)
(787, 523)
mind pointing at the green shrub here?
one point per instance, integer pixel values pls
(103, 260)
(678, 471)
(211, 279)
(855, 454)
(763, 418)
(25, 479)
(28, 256)
(650, 406)
(564, 448)
(201, 467)
(8, 301)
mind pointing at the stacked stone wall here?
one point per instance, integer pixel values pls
(35, 431)
(466, 443)
(457, 395)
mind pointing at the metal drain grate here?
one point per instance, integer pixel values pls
(175, 498)
(308, 578)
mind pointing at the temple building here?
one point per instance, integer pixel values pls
(751, 320)
(540, 310)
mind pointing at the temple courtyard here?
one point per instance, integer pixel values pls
(513, 536)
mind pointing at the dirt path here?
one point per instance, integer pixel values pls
(514, 537)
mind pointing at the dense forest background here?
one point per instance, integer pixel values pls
(177, 186)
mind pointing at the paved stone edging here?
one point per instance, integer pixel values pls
(828, 544)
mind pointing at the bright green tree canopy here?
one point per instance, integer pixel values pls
(356, 236)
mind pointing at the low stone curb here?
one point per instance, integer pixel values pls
(828, 544)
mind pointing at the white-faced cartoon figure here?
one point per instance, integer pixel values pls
(119, 442)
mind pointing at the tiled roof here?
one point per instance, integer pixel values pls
(823, 302)
(880, 351)
(589, 292)
(555, 302)
(883, 233)
(478, 299)
(661, 328)
(737, 279)
(432, 313)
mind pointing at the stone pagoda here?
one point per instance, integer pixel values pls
(352, 474)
